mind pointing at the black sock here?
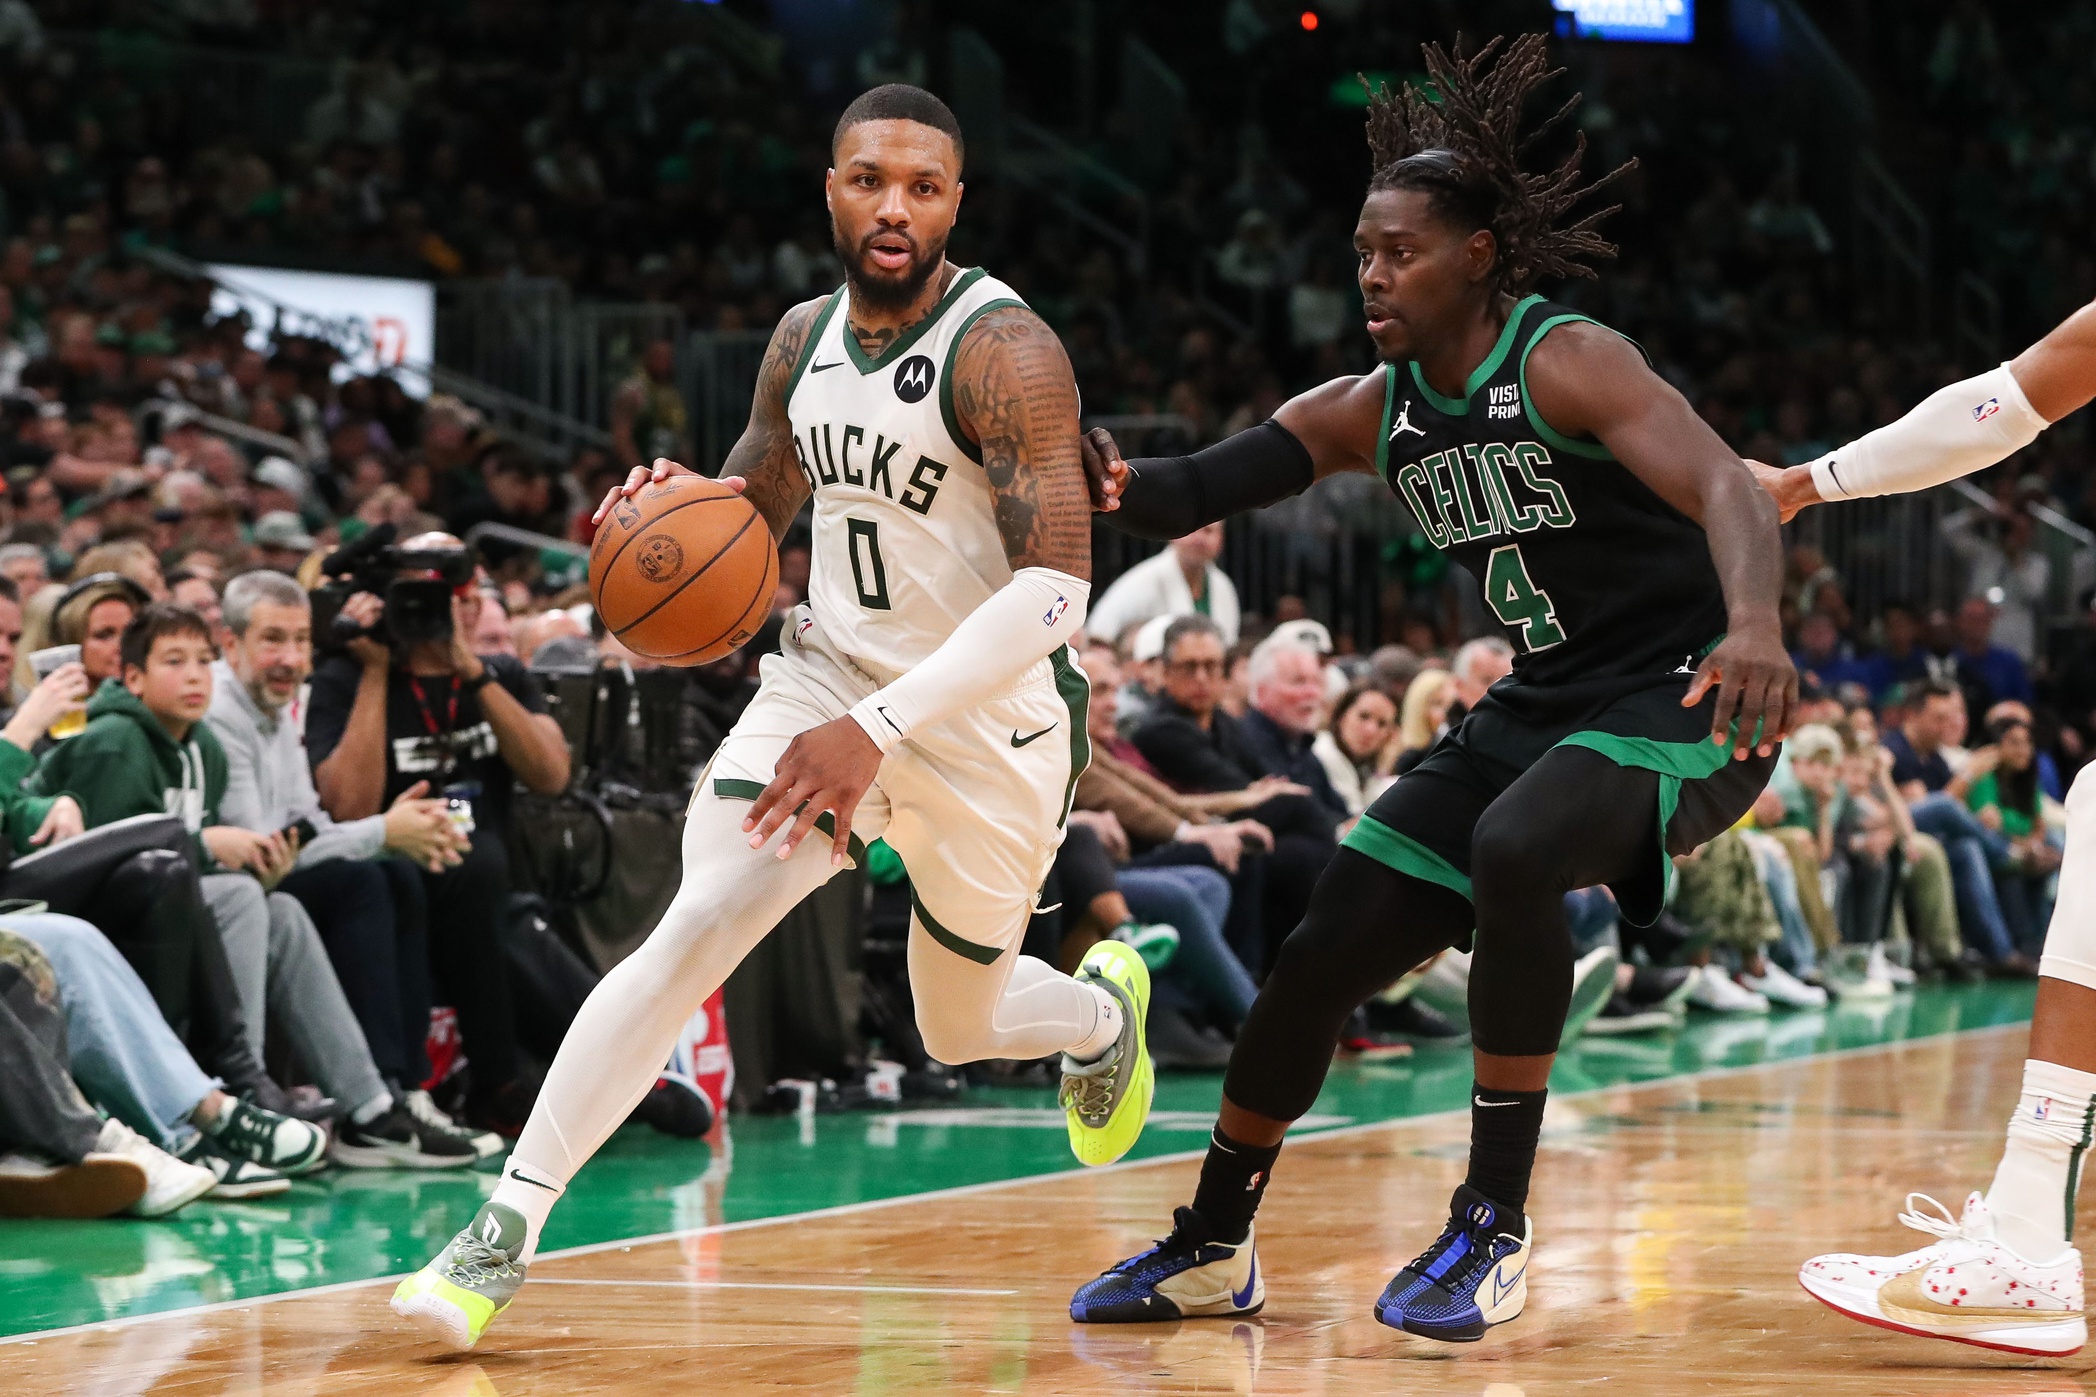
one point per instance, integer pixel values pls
(1504, 1128)
(1233, 1180)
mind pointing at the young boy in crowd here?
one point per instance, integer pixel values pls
(147, 751)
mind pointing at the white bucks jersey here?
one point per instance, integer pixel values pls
(905, 541)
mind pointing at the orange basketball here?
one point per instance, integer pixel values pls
(684, 571)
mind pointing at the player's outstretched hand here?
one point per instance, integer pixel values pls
(662, 470)
(1791, 487)
(1757, 691)
(824, 769)
(1105, 473)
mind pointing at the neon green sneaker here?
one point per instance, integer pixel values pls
(472, 1280)
(1108, 1099)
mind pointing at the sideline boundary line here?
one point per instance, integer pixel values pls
(1712, 1074)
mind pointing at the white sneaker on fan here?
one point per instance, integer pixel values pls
(1882, 967)
(1779, 986)
(1719, 993)
(1966, 1287)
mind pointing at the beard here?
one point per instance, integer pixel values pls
(881, 290)
(258, 689)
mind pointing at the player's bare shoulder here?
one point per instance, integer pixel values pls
(1015, 397)
(1340, 421)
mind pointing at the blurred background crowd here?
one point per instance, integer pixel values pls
(1837, 208)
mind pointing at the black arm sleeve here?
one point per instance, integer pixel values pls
(1170, 496)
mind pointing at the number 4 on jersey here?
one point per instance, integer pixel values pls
(1517, 600)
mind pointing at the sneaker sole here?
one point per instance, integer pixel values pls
(437, 1318)
(1505, 1312)
(95, 1188)
(175, 1202)
(260, 1188)
(2068, 1336)
(395, 1157)
(1652, 1021)
(1589, 997)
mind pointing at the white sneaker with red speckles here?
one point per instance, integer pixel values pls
(1967, 1288)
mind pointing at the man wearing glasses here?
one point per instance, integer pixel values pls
(1199, 748)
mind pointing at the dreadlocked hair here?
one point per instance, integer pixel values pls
(1463, 146)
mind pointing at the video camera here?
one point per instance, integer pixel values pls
(418, 607)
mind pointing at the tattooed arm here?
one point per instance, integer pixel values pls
(761, 463)
(1017, 399)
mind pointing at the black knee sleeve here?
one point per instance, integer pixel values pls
(1575, 819)
(1367, 925)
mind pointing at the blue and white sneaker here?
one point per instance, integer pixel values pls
(1473, 1277)
(1185, 1276)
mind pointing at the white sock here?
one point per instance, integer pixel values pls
(1106, 1031)
(532, 1192)
(2032, 1199)
(371, 1110)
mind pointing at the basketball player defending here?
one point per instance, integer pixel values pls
(925, 693)
(1635, 568)
(2018, 1282)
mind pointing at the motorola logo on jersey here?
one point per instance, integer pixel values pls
(913, 378)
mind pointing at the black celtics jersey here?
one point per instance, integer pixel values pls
(1597, 581)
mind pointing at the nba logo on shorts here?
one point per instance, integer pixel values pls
(1986, 410)
(1055, 613)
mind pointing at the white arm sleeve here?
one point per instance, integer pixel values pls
(1952, 432)
(1020, 625)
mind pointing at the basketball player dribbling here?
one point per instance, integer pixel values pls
(925, 694)
(2003, 1273)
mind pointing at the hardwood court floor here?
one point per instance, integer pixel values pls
(1671, 1219)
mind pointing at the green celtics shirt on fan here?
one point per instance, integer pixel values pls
(1600, 585)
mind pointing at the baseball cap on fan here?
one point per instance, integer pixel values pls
(1149, 641)
(1305, 632)
(279, 473)
(280, 528)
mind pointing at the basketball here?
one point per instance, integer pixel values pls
(683, 571)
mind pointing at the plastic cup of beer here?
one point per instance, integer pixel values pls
(43, 662)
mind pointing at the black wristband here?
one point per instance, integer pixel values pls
(1169, 497)
(474, 686)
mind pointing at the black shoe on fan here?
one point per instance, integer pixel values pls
(1179, 1045)
(676, 1107)
(1412, 1019)
(398, 1140)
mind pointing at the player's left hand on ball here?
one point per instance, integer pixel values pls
(662, 469)
(1757, 691)
(1105, 473)
(826, 768)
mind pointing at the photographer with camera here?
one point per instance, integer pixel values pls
(405, 700)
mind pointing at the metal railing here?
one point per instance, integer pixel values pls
(554, 435)
(175, 412)
(717, 374)
(2070, 550)
(530, 337)
(1892, 248)
(1975, 320)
